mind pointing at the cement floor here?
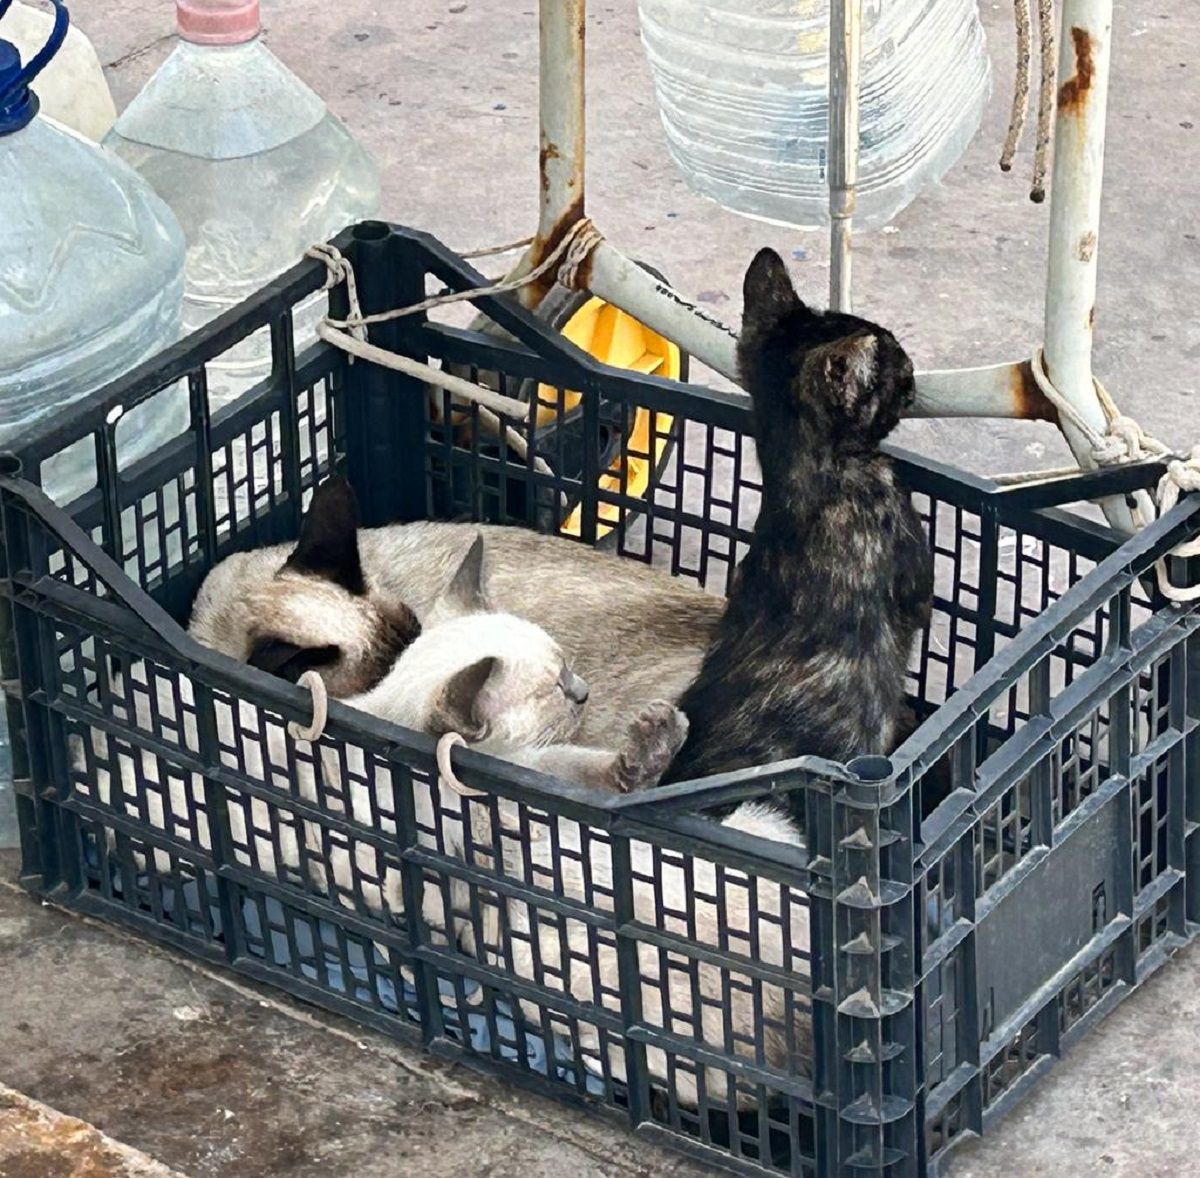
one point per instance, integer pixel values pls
(444, 94)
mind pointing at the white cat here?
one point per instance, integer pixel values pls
(500, 682)
(502, 685)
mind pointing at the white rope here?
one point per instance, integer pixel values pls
(350, 335)
(445, 770)
(320, 701)
(339, 270)
(451, 740)
(455, 385)
(492, 250)
(573, 250)
(1124, 442)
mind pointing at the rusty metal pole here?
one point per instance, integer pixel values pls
(1000, 390)
(1085, 46)
(562, 114)
(845, 56)
(562, 141)
(562, 28)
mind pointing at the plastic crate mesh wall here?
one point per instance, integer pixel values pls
(909, 974)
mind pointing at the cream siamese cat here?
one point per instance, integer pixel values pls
(507, 688)
(345, 602)
(504, 685)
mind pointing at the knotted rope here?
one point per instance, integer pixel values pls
(350, 334)
(565, 259)
(1123, 442)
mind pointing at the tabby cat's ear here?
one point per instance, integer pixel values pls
(462, 705)
(466, 594)
(328, 544)
(767, 293)
(850, 364)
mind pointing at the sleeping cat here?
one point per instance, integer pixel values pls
(635, 634)
(504, 685)
(810, 654)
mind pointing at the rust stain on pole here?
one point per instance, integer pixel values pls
(1073, 94)
(1029, 402)
(546, 243)
(547, 153)
(1086, 248)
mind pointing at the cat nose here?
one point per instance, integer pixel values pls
(576, 689)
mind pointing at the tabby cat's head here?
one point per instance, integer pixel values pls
(844, 376)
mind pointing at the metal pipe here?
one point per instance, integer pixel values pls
(561, 112)
(562, 146)
(1085, 45)
(1000, 390)
(610, 275)
(845, 56)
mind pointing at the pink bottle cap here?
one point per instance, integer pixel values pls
(217, 22)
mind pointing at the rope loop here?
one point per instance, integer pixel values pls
(314, 730)
(565, 259)
(446, 742)
(1124, 441)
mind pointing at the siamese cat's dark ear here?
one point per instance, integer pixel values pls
(767, 292)
(466, 594)
(462, 706)
(328, 544)
(288, 661)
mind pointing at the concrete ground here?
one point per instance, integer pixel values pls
(211, 1079)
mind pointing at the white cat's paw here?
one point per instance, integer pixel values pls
(650, 746)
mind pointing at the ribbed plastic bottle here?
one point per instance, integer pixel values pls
(252, 163)
(91, 285)
(743, 91)
(72, 88)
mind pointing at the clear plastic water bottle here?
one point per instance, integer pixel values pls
(72, 88)
(253, 165)
(91, 285)
(743, 91)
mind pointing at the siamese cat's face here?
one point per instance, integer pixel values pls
(505, 683)
(499, 681)
(317, 613)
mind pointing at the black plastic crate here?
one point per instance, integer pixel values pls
(958, 942)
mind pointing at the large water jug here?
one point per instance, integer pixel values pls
(252, 163)
(72, 89)
(91, 284)
(743, 90)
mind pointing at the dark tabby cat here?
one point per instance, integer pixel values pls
(809, 656)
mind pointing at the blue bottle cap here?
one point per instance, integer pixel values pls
(18, 103)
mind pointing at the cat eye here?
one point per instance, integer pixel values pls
(573, 686)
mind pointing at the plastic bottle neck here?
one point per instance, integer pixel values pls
(18, 103)
(218, 22)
